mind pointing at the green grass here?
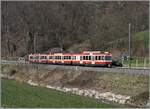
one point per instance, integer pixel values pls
(141, 39)
(16, 94)
(142, 36)
(137, 62)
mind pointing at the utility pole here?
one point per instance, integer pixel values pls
(129, 45)
(34, 43)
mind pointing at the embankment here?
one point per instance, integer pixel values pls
(116, 87)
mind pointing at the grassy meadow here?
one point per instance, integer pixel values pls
(15, 94)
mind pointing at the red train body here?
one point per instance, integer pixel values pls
(92, 58)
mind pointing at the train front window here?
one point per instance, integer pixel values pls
(108, 58)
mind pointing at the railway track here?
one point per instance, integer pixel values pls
(126, 70)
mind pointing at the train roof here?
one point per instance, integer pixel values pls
(82, 53)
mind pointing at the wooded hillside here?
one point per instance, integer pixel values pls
(40, 27)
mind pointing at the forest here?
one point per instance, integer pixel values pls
(73, 26)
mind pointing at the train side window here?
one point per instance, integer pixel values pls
(40, 57)
(31, 57)
(73, 57)
(36, 57)
(89, 57)
(103, 58)
(92, 58)
(65, 57)
(81, 58)
(99, 57)
(50, 57)
(84, 58)
(43, 57)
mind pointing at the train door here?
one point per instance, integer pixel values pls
(81, 60)
(93, 60)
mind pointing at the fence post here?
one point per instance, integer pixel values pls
(122, 62)
(145, 62)
(136, 62)
(128, 64)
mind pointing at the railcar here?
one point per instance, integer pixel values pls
(50, 59)
(57, 58)
(38, 58)
(86, 58)
(76, 59)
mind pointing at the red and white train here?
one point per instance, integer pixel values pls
(92, 58)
